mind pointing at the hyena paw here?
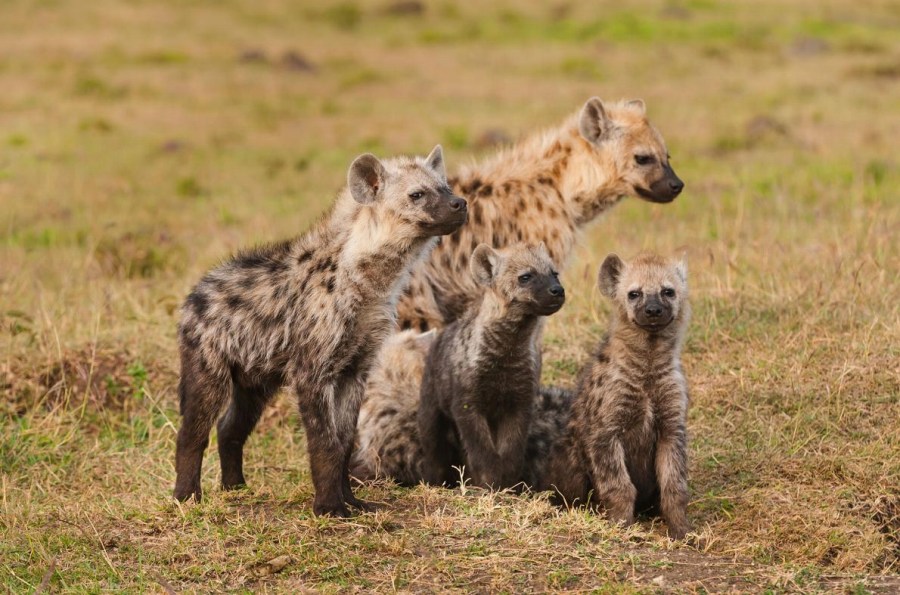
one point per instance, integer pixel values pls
(361, 505)
(338, 510)
(679, 529)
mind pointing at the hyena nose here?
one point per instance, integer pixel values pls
(557, 290)
(458, 204)
(653, 310)
(676, 186)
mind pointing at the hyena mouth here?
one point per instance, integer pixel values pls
(648, 194)
(654, 325)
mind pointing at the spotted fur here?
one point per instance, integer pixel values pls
(625, 447)
(308, 313)
(544, 189)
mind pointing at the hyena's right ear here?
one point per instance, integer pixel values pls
(610, 273)
(593, 123)
(366, 178)
(484, 264)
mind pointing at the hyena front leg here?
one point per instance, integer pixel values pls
(203, 393)
(671, 473)
(610, 480)
(512, 439)
(348, 399)
(480, 452)
(247, 405)
(327, 455)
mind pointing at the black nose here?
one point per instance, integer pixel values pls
(676, 186)
(557, 290)
(653, 310)
(458, 204)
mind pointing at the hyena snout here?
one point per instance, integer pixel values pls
(447, 213)
(550, 297)
(654, 314)
(667, 186)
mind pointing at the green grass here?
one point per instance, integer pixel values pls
(141, 145)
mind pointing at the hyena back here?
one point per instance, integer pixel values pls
(482, 373)
(309, 313)
(544, 189)
(626, 445)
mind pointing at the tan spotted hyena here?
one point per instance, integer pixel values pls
(625, 449)
(543, 189)
(309, 313)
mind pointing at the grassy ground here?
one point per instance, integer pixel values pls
(142, 142)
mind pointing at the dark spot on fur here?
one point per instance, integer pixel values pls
(304, 256)
(329, 285)
(198, 302)
(486, 190)
(507, 187)
(540, 206)
(423, 326)
(545, 180)
(472, 186)
(475, 213)
(235, 302)
(464, 259)
(333, 267)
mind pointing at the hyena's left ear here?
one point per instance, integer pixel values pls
(610, 273)
(435, 161)
(681, 267)
(484, 264)
(593, 123)
(366, 178)
(637, 105)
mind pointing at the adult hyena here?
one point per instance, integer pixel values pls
(544, 189)
(625, 448)
(309, 313)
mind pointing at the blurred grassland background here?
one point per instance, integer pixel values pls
(142, 142)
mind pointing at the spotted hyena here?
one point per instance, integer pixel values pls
(625, 448)
(482, 373)
(308, 313)
(544, 189)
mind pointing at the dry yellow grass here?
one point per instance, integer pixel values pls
(142, 142)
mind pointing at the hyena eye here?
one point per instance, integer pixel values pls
(524, 278)
(416, 195)
(644, 159)
(668, 292)
(555, 274)
(633, 295)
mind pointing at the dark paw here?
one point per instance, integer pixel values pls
(185, 494)
(361, 505)
(338, 511)
(679, 531)
(234, 485)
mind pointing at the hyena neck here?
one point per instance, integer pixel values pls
(377, 256)
(503, 331)
(653, 348)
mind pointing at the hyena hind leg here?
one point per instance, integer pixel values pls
(247, 405)
(203, 395)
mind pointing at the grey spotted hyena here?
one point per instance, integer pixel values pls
(625, 448)
(482, 374)
(309, 313)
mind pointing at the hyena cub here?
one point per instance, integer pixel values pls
(626, 445)
(482, 373)
(309, 313)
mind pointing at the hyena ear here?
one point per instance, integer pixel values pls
(366, 178)
(593, 123)
(610, 273)
(435, 161)
(681, 268)
(484, 264)
(638, 105)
